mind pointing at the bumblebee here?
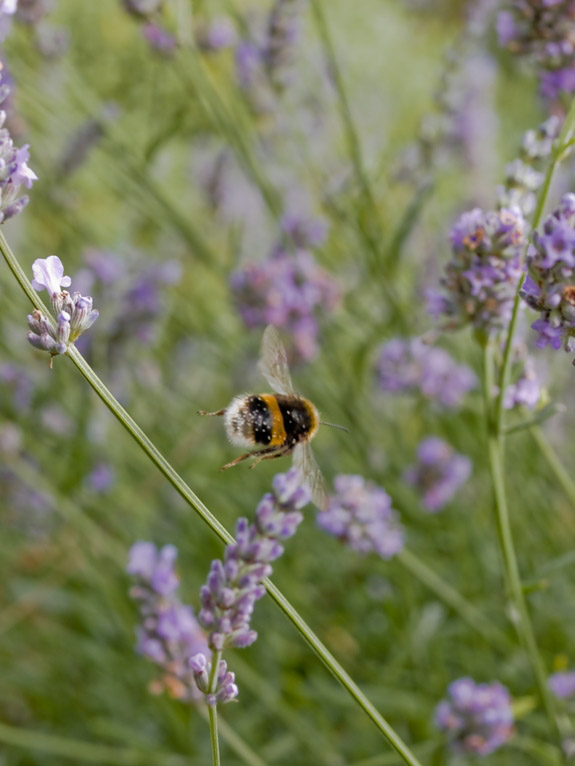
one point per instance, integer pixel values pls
(281, 423)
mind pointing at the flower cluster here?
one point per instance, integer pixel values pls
(522, 179)
(288, 289)
(169, 635)
(477, 717)
(542, 31)
(360, 515)
(216, 36)
(550, 284)
(235, 584)
(264, 62)
(413, 366)
(14, 170)
(439, 473)
(74, 313)
(480, 281)
(562, 684)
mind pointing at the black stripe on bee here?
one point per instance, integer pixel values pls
(261, 420)
(298, 419)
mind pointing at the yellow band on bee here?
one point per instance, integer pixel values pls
(278, 430)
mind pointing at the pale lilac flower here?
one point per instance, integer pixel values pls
(522, 179)
(170, 634)
(225, 688)
(75, 312)
(413, 366)
(8, 7)
(235, 584)
(360, 515)
(287, 290)
(525, 391)
(562, 684)
(278, 50)
(101, 478)
(550, 284)
(439, 473)
(480, 281)
(49, 275)
(476, 717)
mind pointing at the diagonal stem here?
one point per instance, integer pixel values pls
(194, 502)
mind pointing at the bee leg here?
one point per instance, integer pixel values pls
(269, 454)
(239, 459)
(219, 412)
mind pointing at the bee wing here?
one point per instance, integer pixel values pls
(304, 459)
(273, 363)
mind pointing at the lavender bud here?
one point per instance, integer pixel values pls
(439, 473)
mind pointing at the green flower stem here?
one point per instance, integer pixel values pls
(554, 463)
(474, 617)
(562, 143)
(238, 745)
(520, 614)
(194, 502)
(213, 709)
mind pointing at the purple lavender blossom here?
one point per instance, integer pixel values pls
(49, 275)
(217, 35)
(477, 717)
(550, 284)
(278, 51)
(542, 31)
(287, 290)
(415, 367)
(525, 391)
(159, 39)
(562, 684)
(480, 281)
(169, 635)
(235, 584)
(439, 473)
(14, 170)
(361, 516)
(101, 478)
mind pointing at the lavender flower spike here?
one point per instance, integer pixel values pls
(360, 514)
(439, 473)
(562, 684)
(476, 717)
(75, 312)
(169, 634)
(14, 170)
(235, 584)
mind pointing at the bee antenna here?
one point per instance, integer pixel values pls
(334, 425)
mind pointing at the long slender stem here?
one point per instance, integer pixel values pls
(213, 709)
(562, 142)
(194, 502)
(520, 616)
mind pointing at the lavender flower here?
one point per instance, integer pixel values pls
(542, 31)
(550, 284)
(217, 35)
(439, 473)
(480, 281)
(477, 717)
(14, 170)
(279, 47)
(169, 635)
(160, 39)
(287, 290)
(235, 584)
(75, 312)
(415, 367)
(562, 684)
(522, 179)
(525, 391)
(360, 515)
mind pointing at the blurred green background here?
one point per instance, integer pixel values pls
(72, 689)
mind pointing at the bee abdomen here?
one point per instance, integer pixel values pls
(300, 418)
(249, 421)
